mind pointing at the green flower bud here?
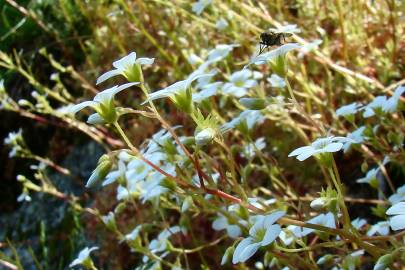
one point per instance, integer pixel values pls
(205, 136)
(227, 255)
(325, 259)
(318, 204)
(101, 171)
(109, 221)
(253, 103)
(383, 262)
(120, 208)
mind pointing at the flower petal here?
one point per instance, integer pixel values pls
(248, 252)
(145, 61)
(125, 61)
(81, 106)
(257, 227)
(332, 147)
(239, 249)
(220, 223)
(195, 76)
(397, 222)
(234, 231)
(108, 75)
(111, 177)
(300, 150)
(273, 217)
(396, 209)
(95, 119)
(264, 57)
(272, 233)
(307, 154)
(109, 93)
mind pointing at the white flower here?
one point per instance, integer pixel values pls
(128, 66)
(289, 234)
(103, 104)
(221, 223)
(16, 142)
(175, 89)
(398, 196)
(382, 227)
(321, 145)
(13, 138)
(24, 197)
(349, 109)
(207, 91)
(265, 57)
(122, 193)
(326, 220)
(397, 222)
(134, 234)
(194, 59)
(392, 103)
(358, 223)
(248, 117)
(276, 81)
(356, 136)
(221, 24)
(83, 257)
(160, 243)
(204, 81)
(250, 150)
(370, 178)
(239, 83)
(261, 234)
(377, 103)
(220, 52)
(200, 5)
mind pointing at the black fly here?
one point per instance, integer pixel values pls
(271, 38)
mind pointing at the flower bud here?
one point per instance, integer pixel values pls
(253, 103)
(24, 102)
(101, 171)
(318, 204)
(383, 262)
(325, 259)
(205, 136)
(109, 221)
(227, 255)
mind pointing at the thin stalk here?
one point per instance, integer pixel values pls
(338, 185)
(373, 250)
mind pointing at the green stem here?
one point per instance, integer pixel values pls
(339, 187)
(127, 141)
